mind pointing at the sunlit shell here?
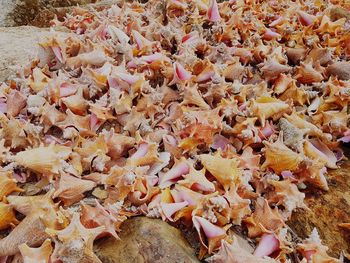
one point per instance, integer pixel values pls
(146, 154)
(27, 204)
(76, 103)
(279, 157)
(193, 98)
(213, 233)
(75, 242)
(232, 253)
(226, 171)
(98, 216)
(16, 101)
(7, 184)
(36, 255)
(264, 218)
(205, 113)
(70, 189)
(320, 55)
(266, 107)
(318, 151)
(307, 74)
(31, 231)
(38, 81)
(272, 68)
(45, 160)
(196, 180)
(313, 250)
(239, 207)
(339, 69)
(267, 245)
(296, 94)
(7, 216)
(288, 195)
(301, 123)
(282, 83)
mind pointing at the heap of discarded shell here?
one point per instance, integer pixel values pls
(207, 114)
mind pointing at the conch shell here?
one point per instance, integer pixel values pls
(264, 218)
(319, 151)
(98, 216)
(279, 157)
(7, 216)
(7, 184)
(226, 171)
(307, 74)
(266, 107)
(234, 253)
(27, 204)
(45, 160)
(36, 255)
(340, 69)
(70, 189)
(213, 233)
(75, 242)
(30, 231)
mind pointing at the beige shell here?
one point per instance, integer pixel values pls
(16, 101)
(38, 81)
(226, 171)
(193, 98)
(339, 69)
(264, 218)
(76, 103)
(7, 184)
(75, 242)
(7, 216)
(266, 107)
(307, 74)
(36, 255)
(321, 55)
(27, 204)
(272, 68)
(280, 158)
(70, 189)
(282, 83)
(30, 231)
(296, 55)
(45, 160)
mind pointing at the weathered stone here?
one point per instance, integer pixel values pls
(146, 240)
(40, 12)
(44, 16)
(327, 210)
(23, 12)
(18, 45)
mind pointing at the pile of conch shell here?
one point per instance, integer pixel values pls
(205, 114)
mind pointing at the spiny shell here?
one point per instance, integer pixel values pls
(7, 216)
(226, 171)
(340, 70)
(7, 184)
(307, 74)
(266, 107)
(45, 160)
(279, 157)
(36, 255)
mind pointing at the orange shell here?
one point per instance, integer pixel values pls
(226, 171)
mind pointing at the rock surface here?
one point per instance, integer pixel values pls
(146, 240)
(23, 12)
(17, 46)
(327, 210)
(40, 12)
